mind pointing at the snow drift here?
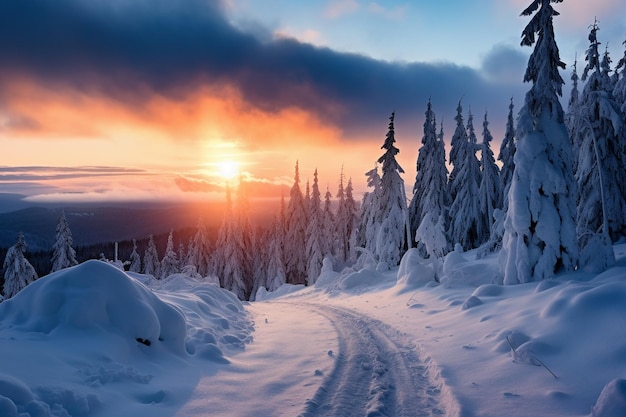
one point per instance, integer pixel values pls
(98, 334)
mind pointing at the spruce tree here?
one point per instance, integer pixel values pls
(391, 241)
(199, 251)
(151, 259)
(315, 250)
(539, 227)
(63, 254)
(423, 168)
(276, 275)
(465, 217)
(619, 93)
(328, 221)
(345, 220)
(490, 191)
(600, 169)
(370, 213)
(169, 263)
(457, 143)
(295, 240)
(18, 272)
(507, 157)
(135, 259)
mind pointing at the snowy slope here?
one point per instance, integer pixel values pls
(360, 342)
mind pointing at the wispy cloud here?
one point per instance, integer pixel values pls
(338, 8)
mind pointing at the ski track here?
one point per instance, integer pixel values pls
(376, 372)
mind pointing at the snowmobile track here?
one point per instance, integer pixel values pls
(376, 373)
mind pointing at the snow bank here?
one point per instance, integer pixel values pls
(92, 339)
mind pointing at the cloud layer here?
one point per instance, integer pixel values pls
(134, 51)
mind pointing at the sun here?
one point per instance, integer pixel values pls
(227, 169)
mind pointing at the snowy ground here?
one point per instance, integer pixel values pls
(94, 341)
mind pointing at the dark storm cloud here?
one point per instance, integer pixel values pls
(130, 50)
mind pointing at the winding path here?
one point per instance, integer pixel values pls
(376, 372)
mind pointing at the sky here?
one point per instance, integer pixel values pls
(163, 100)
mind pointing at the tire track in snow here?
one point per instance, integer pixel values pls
(375, 373)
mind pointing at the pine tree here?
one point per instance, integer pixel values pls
(391, 241)
(539, 227)
(572, 110)
(229, 262)
(490, 193)
(135, 259)
(295, 242)
(370, 213)
(619, 93)
(169, 263)
(600, 169)
(151, 259)
(458, 141)
(424, 160)
(276, 275)
(328, 217)
(465, 217)
(345, 220)
(507, 157)
(199, 252)
(63, 254)
(315, 250)
(18, 272)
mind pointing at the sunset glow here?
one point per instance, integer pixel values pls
(231, 101)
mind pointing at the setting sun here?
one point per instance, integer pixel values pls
(227, 169)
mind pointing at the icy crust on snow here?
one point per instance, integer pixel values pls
(100, 328)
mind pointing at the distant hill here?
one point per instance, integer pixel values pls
(91, 225)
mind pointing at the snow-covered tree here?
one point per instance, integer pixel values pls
(507, 156)
(600, 170)
(391, 241)
(169, 263)
(572, 110)
(18, 272)
(345, 220)
(432, 234)
(63, 254)
(135, 259)
(275, 273)
(465, 217)
(619, 94)
(457, 143)
(315, 250)
(328, 223)
(151, 264)
(490, 191)
(230, 260)
(199, 251)
(539, 227)
(370, 213)
(295, 240)
(424, 159)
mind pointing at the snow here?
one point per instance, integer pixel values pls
(92, 340)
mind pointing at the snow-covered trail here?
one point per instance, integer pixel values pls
(377, 371)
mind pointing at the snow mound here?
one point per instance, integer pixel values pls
(415, 272)
(95, 297)
(285, 289)
(459, 271)
(16, 399)
(612, 400)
